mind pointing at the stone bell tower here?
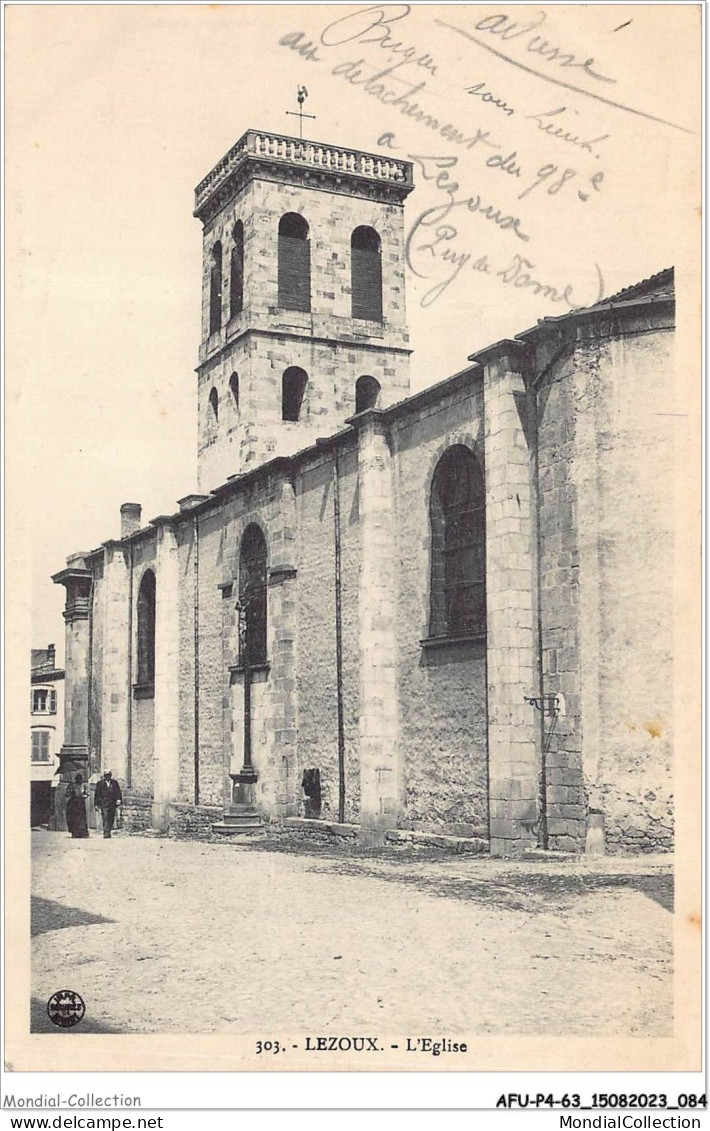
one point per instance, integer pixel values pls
(303, 304)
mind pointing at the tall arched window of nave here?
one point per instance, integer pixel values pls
(145, 631)
(458, 545)
(252, 592)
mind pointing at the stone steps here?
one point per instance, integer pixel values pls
(239, 821)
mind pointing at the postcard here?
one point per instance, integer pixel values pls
(353, 528)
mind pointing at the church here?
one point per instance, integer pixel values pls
(447, 613)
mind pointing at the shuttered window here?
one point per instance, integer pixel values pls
(294, 263)
(40, 745)
(44, 701)
(39, 700)
(458, 546)
(252, 594)
(366, 274)
(236, 272)
(216, 288)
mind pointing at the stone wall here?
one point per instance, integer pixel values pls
(316, 649)
(142, 713)
(137, 811)
(254, 432)
(441, 690)
(193, 822)
(115, 705)
(442, 719)
(331, 220)
(559, 578)
(186, 660)
(98, 601)
(142, 719)
(214, 544)
(273, 733)
(263, 340)
(606, 474)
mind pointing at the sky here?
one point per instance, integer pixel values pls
(556, 159)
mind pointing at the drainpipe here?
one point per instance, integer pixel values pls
(542, 828)
(90, 765)
(339, 636)
(196, 641)
(544, 738)
(129, 729)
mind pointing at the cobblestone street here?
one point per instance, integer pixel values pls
(163, 936)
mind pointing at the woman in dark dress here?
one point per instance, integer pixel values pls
(76, 808)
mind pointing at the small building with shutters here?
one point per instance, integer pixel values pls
(396, 615)
(46, 729)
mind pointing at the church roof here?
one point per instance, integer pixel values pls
(657, 288)
(660, 285)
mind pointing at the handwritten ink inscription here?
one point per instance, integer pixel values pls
(433, 236)
(373, 25)
(409, 79)
(430, 241)
(550, 123)
(508, 28)
(479, 90)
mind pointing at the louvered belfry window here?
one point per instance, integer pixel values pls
(294, 263)
(216, 288)
(236, 273)
(252, 593)
(458, 546)
(366, 274)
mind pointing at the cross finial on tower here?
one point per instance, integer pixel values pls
(301, 97)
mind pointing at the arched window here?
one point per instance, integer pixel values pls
(252, 594)
(213, 401)
(216, 288)
(234, 389)
(236, 271)
(293, 392)
(145, 631)
(367, 393)
(366, 274)
(294, 263)
(458, 546)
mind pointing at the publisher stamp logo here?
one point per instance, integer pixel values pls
(66, 1008)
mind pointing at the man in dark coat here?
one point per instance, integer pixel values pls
(107, 798)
